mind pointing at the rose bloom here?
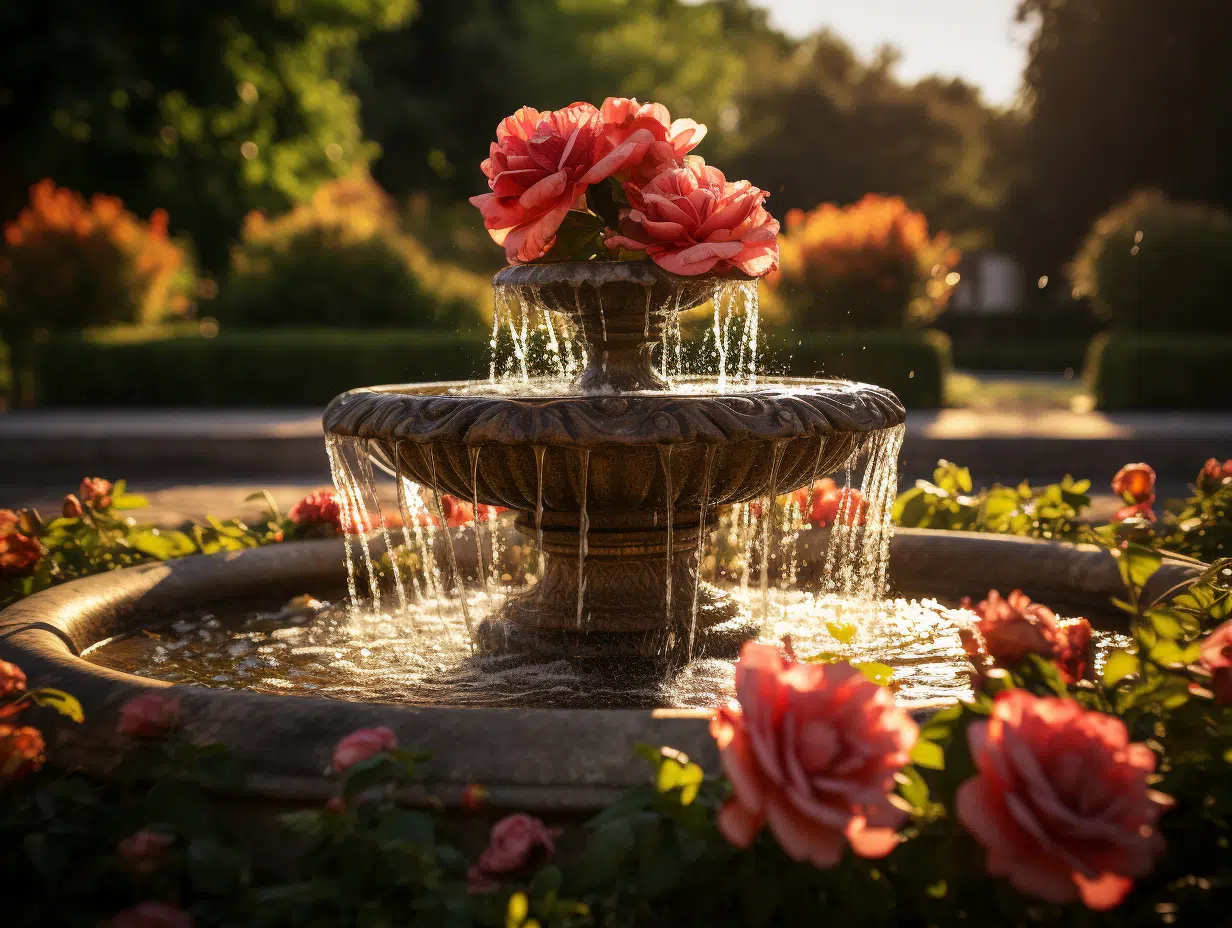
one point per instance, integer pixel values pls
(18, 553)
(361, 744)
(152, 915)
(516, 842)
(540, 166)
(812, 751)
(96, 492)
(72, 508)
(622, 116)
(690, 221)
(1217, 658)
(1061, 802)
(320, 507)
(22, 751)
(145, 851)
(12, 680)
(150, 715)
(1141, 510)
(8, 522)
(1135, 483)
(827, 499)
(1007, 630)
(1215, 472)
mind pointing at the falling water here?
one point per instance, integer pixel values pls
(453, 555)
(540, 451)
(365, 469)
(583, 534)
(473, 452)
(665, 458)
(701, 547)
(767, 517)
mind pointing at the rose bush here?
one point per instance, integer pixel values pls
(1007, 629)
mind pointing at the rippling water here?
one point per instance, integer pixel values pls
(322, 649)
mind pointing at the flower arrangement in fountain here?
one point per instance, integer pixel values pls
(619, 182)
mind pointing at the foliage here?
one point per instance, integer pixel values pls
(94, 535)
(1164, 371)
(870, 265)
(342, 259)
(277, 367)
(1153, 265)
(209, 110)
(1200, 526)
(950, 502)
(66, 262)
(1098, 72)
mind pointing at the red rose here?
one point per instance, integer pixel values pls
(1217, 658)
(96, 492)
(812, 751)
(1061, 802)
(18, 553)
(622, 116)
(690, 221)
(1007, 630)
(540, 166)
(12, 680)
(361, 744)
(8, 522)
(1135, 483)
(1141, 510)
(1214, 472)
(144, 851)
(828, 499)
(516, 842)
(152, 915)
(319, 507)
(150, 715)
(22, 751)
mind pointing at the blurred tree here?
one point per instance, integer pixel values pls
(1123, 94)
(205, 109)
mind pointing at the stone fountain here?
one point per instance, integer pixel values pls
(619, 474)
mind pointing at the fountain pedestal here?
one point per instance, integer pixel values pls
(618, 600)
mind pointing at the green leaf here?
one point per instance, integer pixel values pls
(306, 822)
(129, 501)
(843, 630)
(62, 702)
(927, 754)
(913, 788)
(1137, 564)
(162, 545)
(881, 674)
(1119, 665)
(579, 238)
(685, 777)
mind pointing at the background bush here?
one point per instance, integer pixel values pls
(871, 265)
(343, 259)
(1134, 371)
(1153, 265)
(69, 262)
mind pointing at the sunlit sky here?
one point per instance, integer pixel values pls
(976, 40)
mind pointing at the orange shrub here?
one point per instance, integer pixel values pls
(871, 265)
(68, 262)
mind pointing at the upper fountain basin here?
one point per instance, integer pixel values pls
(621, 447)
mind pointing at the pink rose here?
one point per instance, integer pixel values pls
(22, 751)
(19, 553)
(516, 842)
(690, 221)
(96, 492)
(1007, 630)
(1214, 472)
(361, 744)
(828, 499)
(1135, 483)
(8, 522)
(622, 116)
(145, 851)
(1061, 802)
(150, 715)
(540, 166)
(1217, 658)
(320, 507)
(12, 680)
(812, 751)
(152, 915)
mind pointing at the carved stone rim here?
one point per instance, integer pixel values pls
(596, 273)
(787, 409)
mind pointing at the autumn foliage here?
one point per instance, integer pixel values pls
(69, 262)
(871, 265)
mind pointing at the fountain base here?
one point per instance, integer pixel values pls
(627, 596)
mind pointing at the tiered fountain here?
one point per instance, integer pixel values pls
(619, 474)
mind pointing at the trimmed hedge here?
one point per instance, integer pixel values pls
(911, 362)
(1160, 371)
(305, 367)
(981, 353)
(308, 367)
